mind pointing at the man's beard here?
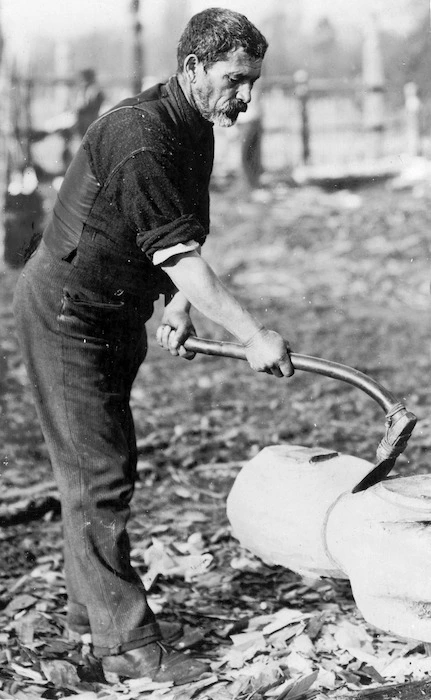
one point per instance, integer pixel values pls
(225, 116)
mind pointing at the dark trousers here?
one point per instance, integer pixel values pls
(82, 350)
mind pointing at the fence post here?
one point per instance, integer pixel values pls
(138, 53)
(63, 72)
(5, 128)
(374, 88)
(303, 93)
(23, 203)
(412, 104)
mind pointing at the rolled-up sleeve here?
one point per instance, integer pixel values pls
(161, 256)
(146, 186)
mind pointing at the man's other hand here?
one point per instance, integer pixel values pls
(267, 351)
(174, 330)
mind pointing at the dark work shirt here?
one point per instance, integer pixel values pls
(139, 183)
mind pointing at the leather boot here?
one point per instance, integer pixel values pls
(157, 662)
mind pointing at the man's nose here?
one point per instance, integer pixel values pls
(244, 94)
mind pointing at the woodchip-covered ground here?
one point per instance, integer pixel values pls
(343, 275)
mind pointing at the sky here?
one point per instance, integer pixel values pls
(22, 19)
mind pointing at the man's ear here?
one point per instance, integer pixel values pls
(190, 66)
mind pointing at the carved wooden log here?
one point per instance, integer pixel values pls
(293, 506)
(280, 501)
(386, 551)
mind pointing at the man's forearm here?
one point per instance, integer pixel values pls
(197, 281)
(178, 300)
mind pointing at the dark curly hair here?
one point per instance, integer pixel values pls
(213, 33)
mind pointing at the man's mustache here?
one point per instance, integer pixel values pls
(242, 106)
(236, 106)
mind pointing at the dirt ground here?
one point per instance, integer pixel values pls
(344, 276)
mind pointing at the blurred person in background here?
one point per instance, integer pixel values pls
(89, 100)
(128, 226)
(251, 131)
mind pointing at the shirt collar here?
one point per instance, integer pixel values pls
(190, 115)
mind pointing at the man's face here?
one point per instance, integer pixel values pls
(223, 90)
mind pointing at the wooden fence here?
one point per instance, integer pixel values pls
(316, 122)
(290, 122)
(330, 123)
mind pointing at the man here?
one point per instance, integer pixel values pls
(89, 100)
(88, 103)
(127, 226)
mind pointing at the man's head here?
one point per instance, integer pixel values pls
(220, 56)
(88, 76)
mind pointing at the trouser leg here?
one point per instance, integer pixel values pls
(82, 355)
(78, 617)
